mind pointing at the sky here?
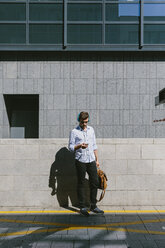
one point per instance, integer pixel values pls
(149, 9)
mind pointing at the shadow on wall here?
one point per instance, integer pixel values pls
(63, 178)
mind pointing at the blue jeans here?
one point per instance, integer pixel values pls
(91, 169)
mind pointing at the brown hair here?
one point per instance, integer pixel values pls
(83, 116)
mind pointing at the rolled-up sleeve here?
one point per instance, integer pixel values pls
(71, 144)
(94, 141)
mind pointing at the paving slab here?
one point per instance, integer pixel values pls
(43, 244)
(62, 244)
(134, 243)
(71, 230)
(115, 244)
(149, 244)
(160, 243)
(97, 244)
(82, 244)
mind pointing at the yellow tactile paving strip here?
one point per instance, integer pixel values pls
(71, 211)
(117, 226)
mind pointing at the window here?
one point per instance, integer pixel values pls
(45, 33)
(84, 12)
(122, 12)
(46, 12)
(23, 115)
(12, 33)
(154, 12)
(154, 34)
(84, 34)
(122, 34)
(82, 24)
(12, 12)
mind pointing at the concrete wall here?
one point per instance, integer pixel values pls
(135, 168)
(118, 89)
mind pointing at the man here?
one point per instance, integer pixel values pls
(82, 141)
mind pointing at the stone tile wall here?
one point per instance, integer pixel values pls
(135, 169)
(118, 89)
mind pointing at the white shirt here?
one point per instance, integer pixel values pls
(79, 136)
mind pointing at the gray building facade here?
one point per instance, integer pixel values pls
(117, 88)
(59, 57)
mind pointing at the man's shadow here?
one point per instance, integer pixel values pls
(63, 179)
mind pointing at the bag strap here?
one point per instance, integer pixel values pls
(102, 195)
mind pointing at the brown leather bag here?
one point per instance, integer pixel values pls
(102, 183)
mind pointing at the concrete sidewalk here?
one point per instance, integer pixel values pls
(117, 228)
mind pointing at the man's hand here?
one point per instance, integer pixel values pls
(84, 146)
(97, 164)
